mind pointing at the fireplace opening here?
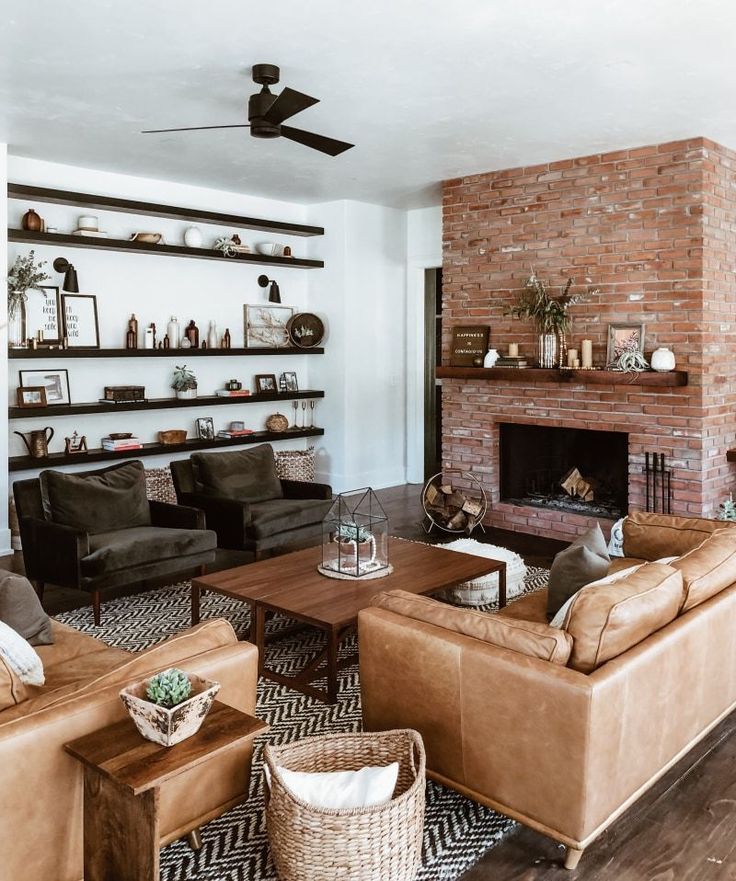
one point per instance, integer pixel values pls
(565, 469)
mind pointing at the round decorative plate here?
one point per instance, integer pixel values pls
(305, 330)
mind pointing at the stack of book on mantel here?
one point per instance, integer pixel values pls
(238, 432)
(512, 361)
(118, 444)
(232, 393)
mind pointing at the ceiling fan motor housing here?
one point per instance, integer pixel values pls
(258, 105)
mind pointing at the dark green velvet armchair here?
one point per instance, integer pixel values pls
(95, 553)
(247, 505)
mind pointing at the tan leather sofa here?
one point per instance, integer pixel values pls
(41, 786)
(507, 722)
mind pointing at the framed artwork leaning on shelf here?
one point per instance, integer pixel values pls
(55, 382)
(81, 327)
(206, 428)
(31, 396)
(266, 326)
(43, 315)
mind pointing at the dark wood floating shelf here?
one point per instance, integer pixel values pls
(184, 354)
(731, 456)
(26, 463)
(649, 378)
(156, 404)
(61, 240)
(131, 206)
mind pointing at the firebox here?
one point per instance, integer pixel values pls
(568, 469)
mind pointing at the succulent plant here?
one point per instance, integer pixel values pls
(184, 379)
(169, 688)
(728, 509)
(353, 532)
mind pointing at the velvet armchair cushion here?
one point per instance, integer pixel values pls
(245, 475)
(281, 515)
(129, 548)
(97, 501)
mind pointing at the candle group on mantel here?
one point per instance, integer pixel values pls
(513, 350)
(587, 354)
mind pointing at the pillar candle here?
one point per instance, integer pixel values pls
(572, 357)
(587, 354)
(576, 363)
(513, 350)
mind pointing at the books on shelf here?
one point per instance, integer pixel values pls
(512, 361)
(226, 393)
(115, 445)
(131, 401)
(239, 432)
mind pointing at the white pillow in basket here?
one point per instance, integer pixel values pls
(19, 655)
(342, 790)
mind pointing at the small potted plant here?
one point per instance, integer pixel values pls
(184, 383)
(170, 706)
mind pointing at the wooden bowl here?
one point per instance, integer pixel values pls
(172, 436)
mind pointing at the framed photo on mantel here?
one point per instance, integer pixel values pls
(469, 342)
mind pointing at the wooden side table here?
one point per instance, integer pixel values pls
(122, 776)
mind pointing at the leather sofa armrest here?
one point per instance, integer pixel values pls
(299, 489)
(55, 551)
(176, 516)
(229, 518)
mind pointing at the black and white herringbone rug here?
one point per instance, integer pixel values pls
(457, 831)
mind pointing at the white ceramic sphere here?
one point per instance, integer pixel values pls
(193, 237)
(663, 359)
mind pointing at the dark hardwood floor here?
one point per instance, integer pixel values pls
(683, 829)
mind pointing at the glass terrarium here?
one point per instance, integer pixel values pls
(355, 537)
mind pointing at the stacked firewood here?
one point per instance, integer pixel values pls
(577, 486)
(451, 508)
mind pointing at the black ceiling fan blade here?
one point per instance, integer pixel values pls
(192, 128)
(288, 103)
(316, 142)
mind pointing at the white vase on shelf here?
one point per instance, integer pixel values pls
(173, 331)
(490, 358)
(663, 360)
(212, 338)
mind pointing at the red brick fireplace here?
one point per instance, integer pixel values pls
(655, 229)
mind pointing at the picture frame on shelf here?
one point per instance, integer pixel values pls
(81, 326)
(623, 337)
(266, 384)
(54, 380)
(266, 326)
(43, 314)
(288, 382)
(31, 396)
(206, 428)
(469, 343)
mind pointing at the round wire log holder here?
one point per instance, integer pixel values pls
(442, 478)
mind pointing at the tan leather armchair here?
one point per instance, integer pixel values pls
(41, 832)
(559, 750)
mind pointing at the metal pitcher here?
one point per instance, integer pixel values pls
(38, 446)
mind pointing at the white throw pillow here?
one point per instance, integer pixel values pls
(342, 790)
(19, 655)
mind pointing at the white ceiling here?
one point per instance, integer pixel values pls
(426, 89)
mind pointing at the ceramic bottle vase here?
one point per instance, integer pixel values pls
(212, 339)
(663, 359)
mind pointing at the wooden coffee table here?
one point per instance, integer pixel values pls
(290, 585)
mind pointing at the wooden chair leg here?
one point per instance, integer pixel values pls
(194, 839)
(96, 607)
(572, 857)
(39, 585)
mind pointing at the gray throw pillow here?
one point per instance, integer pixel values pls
(97, 501)
(245, 475)
(21, 609)
(584, 561)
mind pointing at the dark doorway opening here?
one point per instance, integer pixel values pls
(432, 359)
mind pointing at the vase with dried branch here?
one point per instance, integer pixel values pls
(24, 275)
(550, 315)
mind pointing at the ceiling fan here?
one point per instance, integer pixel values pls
(267, 112)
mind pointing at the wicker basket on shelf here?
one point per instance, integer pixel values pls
(363, 844)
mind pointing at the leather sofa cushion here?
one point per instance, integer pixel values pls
(610, 616)
(21, 609)
(618, 564)
(585, 560)
(12, 690)
(97, 501)
(525, 637)
(529, 607)
(708, 569)
(244, 475)
(280, 515)
(123, 548)
(75, 657)
(651, 536)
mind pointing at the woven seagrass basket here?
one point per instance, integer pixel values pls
(364, 844)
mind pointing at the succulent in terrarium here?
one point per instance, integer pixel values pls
(184, 379)
(353, 532)
(169, 688)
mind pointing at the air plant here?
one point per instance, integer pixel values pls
(629, 358)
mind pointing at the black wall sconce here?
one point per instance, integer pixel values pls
(70, 283)
(274, 294)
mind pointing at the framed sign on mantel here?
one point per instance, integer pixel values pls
(469, 342)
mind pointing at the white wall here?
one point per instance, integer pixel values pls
(423, 251)
(4, 530)
(155, 287)
(363, 291)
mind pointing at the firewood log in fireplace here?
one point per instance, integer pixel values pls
(576, 486)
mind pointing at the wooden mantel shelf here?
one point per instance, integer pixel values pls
(731, 456)
(531, 375)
